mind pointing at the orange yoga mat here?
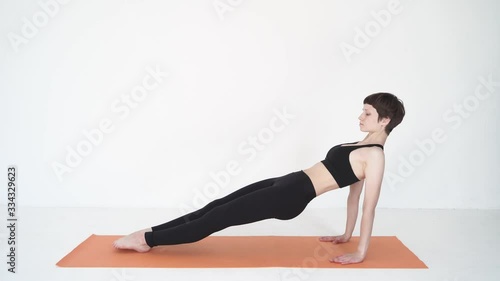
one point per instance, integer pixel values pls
(242, 251)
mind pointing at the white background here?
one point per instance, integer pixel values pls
(229, 71)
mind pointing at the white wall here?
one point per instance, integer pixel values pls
(229, 72)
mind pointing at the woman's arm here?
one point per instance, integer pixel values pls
(353, 206)
(352, 214)
(374, 173)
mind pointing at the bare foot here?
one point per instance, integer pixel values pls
(134, 241)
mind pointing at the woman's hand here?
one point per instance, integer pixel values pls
(335, 239)
(355, 257)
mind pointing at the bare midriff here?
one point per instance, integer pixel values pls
(321, 178)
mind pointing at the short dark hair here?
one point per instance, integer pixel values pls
(387, 105)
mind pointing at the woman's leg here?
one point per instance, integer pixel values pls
(136, 240)
(221, 201)
(285, 199)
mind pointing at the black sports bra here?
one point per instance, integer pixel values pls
(337, 163)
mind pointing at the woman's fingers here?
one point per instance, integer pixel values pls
(334, 239)
(337, 259)
(348, 258)
(326, 238)
(341, 259)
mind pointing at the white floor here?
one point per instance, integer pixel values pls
(456, 245)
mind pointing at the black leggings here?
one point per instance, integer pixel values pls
(282, 198)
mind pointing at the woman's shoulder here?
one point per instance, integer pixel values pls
(375, 155)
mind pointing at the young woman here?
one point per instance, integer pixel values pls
(285, 197)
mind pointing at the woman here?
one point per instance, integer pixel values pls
(285, 197)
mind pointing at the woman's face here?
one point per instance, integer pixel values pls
(368, 120)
